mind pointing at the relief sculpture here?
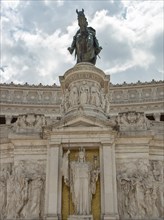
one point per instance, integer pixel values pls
(131, 121)
(29, 122)
(74, 96)
(85, 93)
(22, 191)
(138, 190)
(4, 173)
(95, 95)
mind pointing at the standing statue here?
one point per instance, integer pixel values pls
(85, 43)
(83, 176)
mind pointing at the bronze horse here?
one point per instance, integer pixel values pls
(84, 43)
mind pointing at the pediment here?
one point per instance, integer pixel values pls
(82, 121)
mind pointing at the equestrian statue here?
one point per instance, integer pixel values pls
(85, 43)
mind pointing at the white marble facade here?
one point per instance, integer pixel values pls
(89, 113)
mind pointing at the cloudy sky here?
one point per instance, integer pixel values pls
(35, 35)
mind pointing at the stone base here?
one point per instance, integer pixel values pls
(80, 217)
(51, 217)
(111, 217)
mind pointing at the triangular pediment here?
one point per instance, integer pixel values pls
(82, 121)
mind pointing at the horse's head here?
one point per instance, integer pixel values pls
(82, 21)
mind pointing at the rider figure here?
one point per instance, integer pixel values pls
(85, 43)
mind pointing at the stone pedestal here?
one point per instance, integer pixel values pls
(80, 217)
(85, 90)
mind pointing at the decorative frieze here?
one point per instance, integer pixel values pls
(148, 96)
(85, 93)
(138, 93)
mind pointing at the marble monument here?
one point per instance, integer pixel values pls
(84, 150)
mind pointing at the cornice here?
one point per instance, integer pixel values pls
(40, 85)
(28, 86)
(138, 84)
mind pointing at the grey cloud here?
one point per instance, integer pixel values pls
(51, 17)
(48, 18)
(114, 7)
(114, 52)
(158, 45)
(136, 74)
(35, 16)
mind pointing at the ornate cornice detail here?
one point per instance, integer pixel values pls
(139, 83)
(84, 71)
(40, 85)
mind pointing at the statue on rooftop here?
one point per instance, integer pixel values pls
(85, 43)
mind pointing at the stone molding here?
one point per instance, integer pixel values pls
(80, 217)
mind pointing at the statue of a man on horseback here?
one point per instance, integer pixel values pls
(85, 43)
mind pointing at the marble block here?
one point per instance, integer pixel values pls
(80, 217)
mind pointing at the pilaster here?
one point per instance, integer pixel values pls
(52, 178)
(109, 188)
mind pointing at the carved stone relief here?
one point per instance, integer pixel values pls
(146, 93)
(4, 94)
(160, 92)
(131, 121)
(22, 189)
(4, 174)
(133, 94)
(26, 96)
(29, 122)
(85, 93)
(47, 96)
(32, 96)
(140, 190)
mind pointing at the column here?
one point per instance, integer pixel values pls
(52, 192)
(109, 208)
(157, 116)
(8, 119)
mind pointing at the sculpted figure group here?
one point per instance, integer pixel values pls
(85, 93)
(141, 190)
(29, 122)
(133, 121)
(21, 191)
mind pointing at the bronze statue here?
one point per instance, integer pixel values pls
(84, 43)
